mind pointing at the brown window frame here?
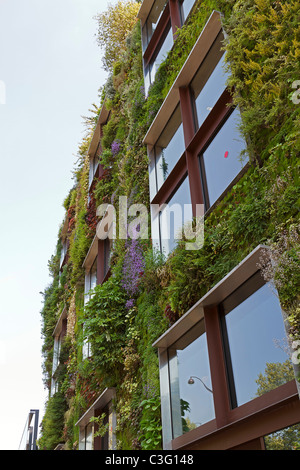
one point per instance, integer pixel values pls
(195, 142)
(170, 19)
(233, 427)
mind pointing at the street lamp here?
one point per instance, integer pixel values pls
(191, 381)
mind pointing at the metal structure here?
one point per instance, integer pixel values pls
(30, 432)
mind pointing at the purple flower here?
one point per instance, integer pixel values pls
(133, 267)
(129, 304)
(115, 147)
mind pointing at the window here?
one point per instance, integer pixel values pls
(59, 334)
(173, 216)
(221, 161)
(56, 352)
(226, 361)
(91, 280)
(86, 438)
(94, 162)
(169, 147)
(107, 255)
(157, 36)
(209, 81)
(90, 283)
(101, 412)
(64, 250)
(190, 383)
(152, 22)
(163, 49)
(254, 336)
(186, 6)
(107, 441)
(195, 134)
(158, 57)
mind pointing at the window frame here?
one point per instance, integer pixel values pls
(269, 411)
(188, 337)
(203, 179)
(195, 139)
(170, 19)
(104, 403)
(251, 286)
(58, 334)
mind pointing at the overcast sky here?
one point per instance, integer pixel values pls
(50, 73)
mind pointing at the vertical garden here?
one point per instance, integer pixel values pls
(147, 292)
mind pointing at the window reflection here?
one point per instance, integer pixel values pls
(285, 439)
(210, 81)
(221, 162)
(107, 254)
(257, 353)
(169, 147)
(89, 437)
(192, 403)
(165, 47)
(152, 21)
(174, 215)
(186, 8)
(93, 275)
(211, 91)
(90, 283)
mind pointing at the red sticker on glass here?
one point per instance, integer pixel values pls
(226, 154)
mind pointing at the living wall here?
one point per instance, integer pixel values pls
(146, 292)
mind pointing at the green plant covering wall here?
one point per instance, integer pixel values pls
(146, 293)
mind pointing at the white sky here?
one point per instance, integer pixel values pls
(51, 67)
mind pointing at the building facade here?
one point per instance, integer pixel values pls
(200, 342)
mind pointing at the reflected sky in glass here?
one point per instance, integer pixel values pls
(152, 21)
(211, 91)
(173, 218)
(254, 329)
(192, 404)
(186, 8)
(162, 54)
(168, 157)
(222, 160)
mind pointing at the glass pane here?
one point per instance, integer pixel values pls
(110, 430)
(152, 21)
(209, 81)
(107, 254)
(257, 343)
(93, 275)
(81, 439)
(177, 212)
(89, 437)
(207, 96)
(162, 54)
(186, 8)
(152, 174)
(285, 439)
(222, 158)
(169, 147)
(191, 399)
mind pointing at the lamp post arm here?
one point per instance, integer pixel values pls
(207, 388)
